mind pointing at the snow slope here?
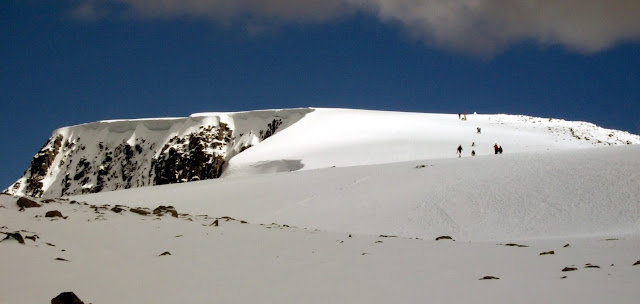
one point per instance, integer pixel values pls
(584, 192)
(340, 137)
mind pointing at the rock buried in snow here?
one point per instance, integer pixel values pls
(162, 210)
(24, 202)
(117, 209)
(569, 269)
(16, 236)
(53, 213)
(139, 211)
(489, 278)
(165, 253)
(444, 237)
(66, 298)
(548, 252)
(515, 245)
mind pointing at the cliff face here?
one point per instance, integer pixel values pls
(112, 155)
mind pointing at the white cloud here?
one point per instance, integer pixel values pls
(486, 26)
(472, 26)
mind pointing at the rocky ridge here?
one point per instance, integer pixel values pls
(112, 155)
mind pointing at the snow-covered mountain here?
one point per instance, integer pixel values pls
(377, 208)
(123, 154)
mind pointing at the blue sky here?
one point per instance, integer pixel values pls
(71, 62)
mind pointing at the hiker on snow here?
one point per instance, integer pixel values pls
(473, 152)
(479, 130)
(459, 151)
(500, 149)
(495, 148)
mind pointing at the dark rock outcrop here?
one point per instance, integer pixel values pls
(444, 237)
(515, 245)
(140, 211)
(547, 252)
(162, 210)
(14, 235)
(66, 298)
(53, 213)
(24, 202)
(39, 167)
(194, 156)
(117, 209)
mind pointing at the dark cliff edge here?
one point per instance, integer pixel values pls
(113, 155)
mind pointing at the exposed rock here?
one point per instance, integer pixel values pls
(444, 237)
(489, 278)
(117, 209)
(162, 210)
(566, 246)
(66, 298)
(636, 263)
(591, 266)
(165, 253)
(215, 223)
(198, 155)
(569, 269)
(24, 202)
(272, 127)
(548, 252)
(61, 259)
(32, 237)
(387, 236)
(54, 213)
(140, 211)
(40, 165)
(14, 235)
(515, 245)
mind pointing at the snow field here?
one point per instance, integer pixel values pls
(114, 258)
(582, 192)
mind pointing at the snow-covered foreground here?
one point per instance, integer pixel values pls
(583, 192)
(116, 258)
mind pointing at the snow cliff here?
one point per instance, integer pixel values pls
(122, 154)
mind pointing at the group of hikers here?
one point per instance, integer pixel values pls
(497, 149)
